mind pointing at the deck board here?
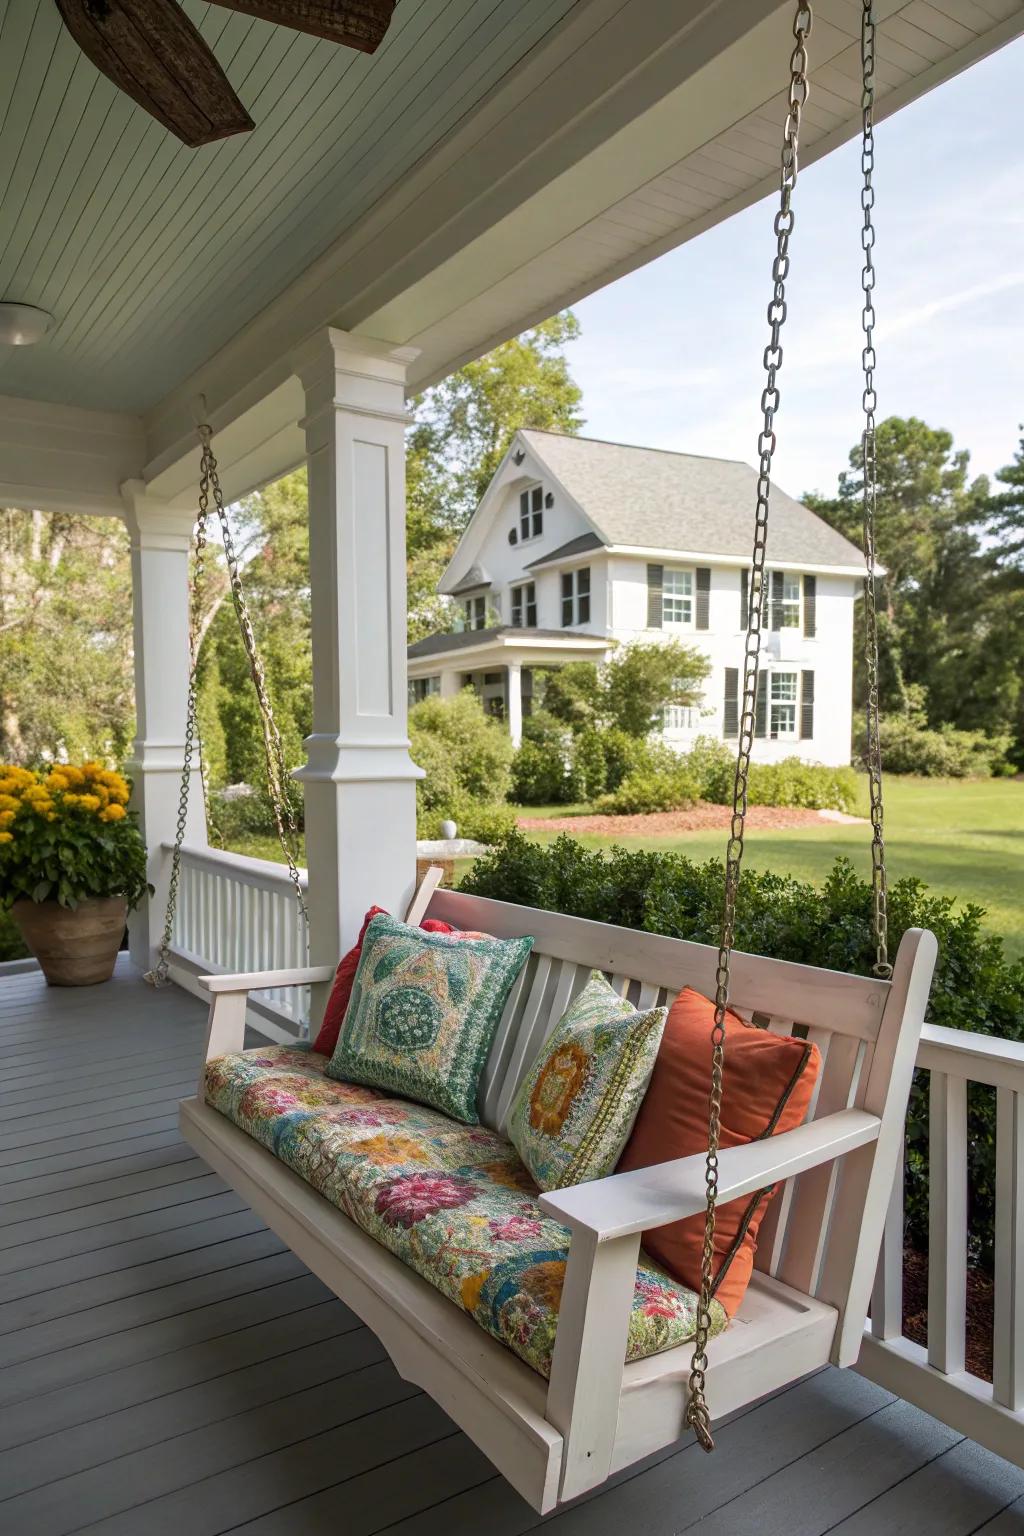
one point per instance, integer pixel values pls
(169, 1365)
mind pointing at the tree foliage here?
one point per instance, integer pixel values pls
(951, 601)
(65, 637)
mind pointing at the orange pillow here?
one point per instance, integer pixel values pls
(767, 1088)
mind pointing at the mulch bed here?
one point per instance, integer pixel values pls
(980, 1302)
(702, 818)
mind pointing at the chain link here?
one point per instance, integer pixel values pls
(273, 751)
(697, 1415)
(879, 882)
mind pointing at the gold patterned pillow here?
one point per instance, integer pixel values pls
(575, 1109)
(423, 1013)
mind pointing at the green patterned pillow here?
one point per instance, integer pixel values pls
(423, 1012)
(573, 1113)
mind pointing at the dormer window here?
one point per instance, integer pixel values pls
(531, 513)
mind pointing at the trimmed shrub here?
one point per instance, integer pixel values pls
(475, 748)
(483, 823)
(651, 789)
(810, 785)
(910, 747)
(976, 987)
(713, 765)
(588, 774)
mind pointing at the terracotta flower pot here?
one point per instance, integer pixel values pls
(75, 947)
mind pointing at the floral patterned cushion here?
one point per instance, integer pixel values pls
(575, 1109)
(423, 1013)
(452, 1201)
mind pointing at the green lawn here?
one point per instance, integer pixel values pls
(964, 838)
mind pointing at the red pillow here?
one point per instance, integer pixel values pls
(766, 1088)
(345, 975)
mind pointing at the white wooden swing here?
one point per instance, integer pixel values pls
(819, 1243)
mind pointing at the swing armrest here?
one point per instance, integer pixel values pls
(628, 1203)
(254, 981)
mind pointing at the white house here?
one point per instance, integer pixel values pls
(580, 545)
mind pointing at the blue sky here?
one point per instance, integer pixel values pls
(671, 355)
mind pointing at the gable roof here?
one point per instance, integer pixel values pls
(577, 546)
(651, 498)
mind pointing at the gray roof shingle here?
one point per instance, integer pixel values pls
(436, 645)
(650, 498)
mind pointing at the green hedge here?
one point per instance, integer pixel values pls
(976, 987)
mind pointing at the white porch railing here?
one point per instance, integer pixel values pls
(240, 914)
(236, 914)
(936, 1378)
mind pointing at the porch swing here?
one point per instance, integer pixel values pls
(807, 1302)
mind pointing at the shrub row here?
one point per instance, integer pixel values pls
(910, 747)
(976, 987)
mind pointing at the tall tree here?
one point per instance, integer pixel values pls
(1005, 514)
(927, 518)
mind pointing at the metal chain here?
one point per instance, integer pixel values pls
(158, 976)
(277, 772)
(697, 1415)
(879, 883)
(273, 751)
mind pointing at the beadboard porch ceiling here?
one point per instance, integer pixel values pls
(495, 160)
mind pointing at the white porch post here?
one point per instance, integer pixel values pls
(359, 779)
(451, 683)
(515, 703)
(160, 541)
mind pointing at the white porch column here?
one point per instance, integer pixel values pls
(359, 779)
(160, 541)
(451, 683)
(515, 703)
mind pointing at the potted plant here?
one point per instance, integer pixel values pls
(72, 865)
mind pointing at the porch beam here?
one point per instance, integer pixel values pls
(359, 779)
(160, 540)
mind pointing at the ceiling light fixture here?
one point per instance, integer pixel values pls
(22, 324)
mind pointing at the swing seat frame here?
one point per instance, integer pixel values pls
(819, 1242)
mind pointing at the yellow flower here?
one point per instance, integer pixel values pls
(42, 807)
(72, 799)
(112, 813)
(6, 837)
(35, 793)
(92, 770)
(89, 802)
(8, 802)
(74, 776)
(56, 780)
(102, 793)
(6, 817)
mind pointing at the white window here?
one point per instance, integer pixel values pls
(531, 513)
(681, 717)
(576, 597)
(790, 601)
(783, 704)
(475, 612)
(524, 606)
(421, 688)
(677, 597)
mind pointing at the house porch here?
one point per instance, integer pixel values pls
(170, 1366)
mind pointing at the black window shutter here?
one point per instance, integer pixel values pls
(810, 608)
(655, 583)
(777, 599)
(806, 705)
(703, 610)
(761, 706)
(731, 712)
(744, 597)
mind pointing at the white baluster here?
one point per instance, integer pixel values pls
(947, 1222)
(1008, 1330)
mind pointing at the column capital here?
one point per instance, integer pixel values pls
(152, 522)
(364, 376)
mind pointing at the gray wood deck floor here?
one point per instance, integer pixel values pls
(166, 1365)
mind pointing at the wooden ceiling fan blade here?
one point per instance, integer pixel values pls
(153, 53)
(356, 23)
